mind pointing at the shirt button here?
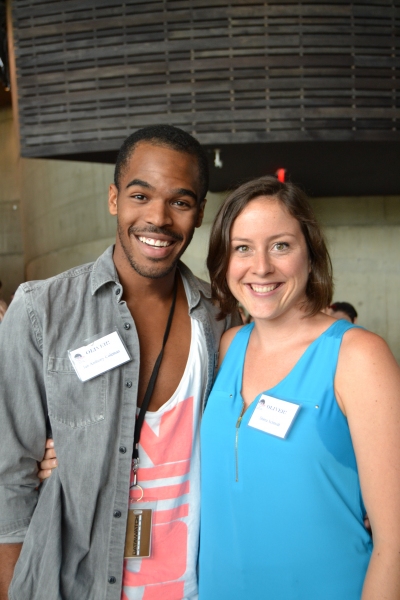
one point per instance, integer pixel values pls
(117, 293)
(127, 326)
(122, 449)
(112, 579)
(117, 514)
(129, 384)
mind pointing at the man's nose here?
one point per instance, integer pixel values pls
(159, 213)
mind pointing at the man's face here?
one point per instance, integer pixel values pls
(157, 207)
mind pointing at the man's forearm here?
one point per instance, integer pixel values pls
(9, 554)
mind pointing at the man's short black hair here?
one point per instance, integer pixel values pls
(169, 137)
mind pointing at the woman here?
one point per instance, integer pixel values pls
(302, 426)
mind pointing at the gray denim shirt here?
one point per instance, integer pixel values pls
(74, 543)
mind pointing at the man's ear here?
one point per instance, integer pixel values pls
(200, 214)
(112, 199)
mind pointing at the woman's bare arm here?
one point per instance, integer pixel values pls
(9, 554)
(367, 387)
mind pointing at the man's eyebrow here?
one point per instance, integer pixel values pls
(185, 192)
(141, 183)
(178, 191)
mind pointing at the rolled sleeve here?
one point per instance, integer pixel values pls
(22, 414)
(14, 537)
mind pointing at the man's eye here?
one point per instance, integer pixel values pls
(182, 203)
(138, 196)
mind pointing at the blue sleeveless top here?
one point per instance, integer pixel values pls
(282, 519)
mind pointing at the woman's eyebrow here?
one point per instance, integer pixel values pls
(272, 237)
(240, 239)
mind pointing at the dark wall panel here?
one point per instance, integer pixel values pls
(313, 86)
(91, 71)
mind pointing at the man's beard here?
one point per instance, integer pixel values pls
(151, 273)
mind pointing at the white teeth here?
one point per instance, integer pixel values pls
(153, 242)
(262, 289)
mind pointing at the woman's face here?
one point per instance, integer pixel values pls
(269, 265)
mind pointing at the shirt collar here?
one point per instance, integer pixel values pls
(195, 286)
(104, 270)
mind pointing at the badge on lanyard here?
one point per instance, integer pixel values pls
(100, 354)
(139, 529)
(274, 416)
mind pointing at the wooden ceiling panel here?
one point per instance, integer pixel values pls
(91, 71)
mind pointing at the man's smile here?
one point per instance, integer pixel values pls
(154, 242)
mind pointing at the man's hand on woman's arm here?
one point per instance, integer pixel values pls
(48, 463)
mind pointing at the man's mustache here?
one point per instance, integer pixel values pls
(153, 229)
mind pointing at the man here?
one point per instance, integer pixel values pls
(79, 350)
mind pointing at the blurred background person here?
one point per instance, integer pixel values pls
(343, 310)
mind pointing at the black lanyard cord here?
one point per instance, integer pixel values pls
(151, 384)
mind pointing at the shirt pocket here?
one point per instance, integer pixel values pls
(72, 401)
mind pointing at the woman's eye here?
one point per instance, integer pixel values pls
(281, 246)
(242, 248)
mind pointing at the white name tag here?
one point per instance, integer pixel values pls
(274, 416)
(101, 355)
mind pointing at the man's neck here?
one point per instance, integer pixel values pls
(138, 288)
(149, 302)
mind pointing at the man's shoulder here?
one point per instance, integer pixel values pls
(75, 273)
(101, 270)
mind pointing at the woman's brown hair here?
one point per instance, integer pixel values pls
(319, 285)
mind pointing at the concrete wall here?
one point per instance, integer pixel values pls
(364, 241)
(11, 247)
(65, 222)
(66, 218)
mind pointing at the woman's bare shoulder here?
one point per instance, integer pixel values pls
(362, 346)
(366, 369)
(226, 341)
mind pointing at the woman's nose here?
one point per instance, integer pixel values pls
(262, 263)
